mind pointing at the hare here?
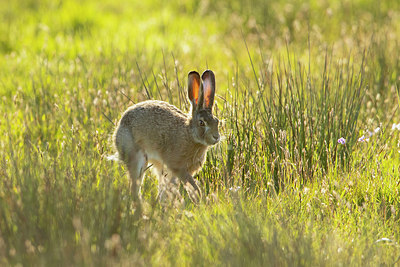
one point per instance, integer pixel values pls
(159, 133)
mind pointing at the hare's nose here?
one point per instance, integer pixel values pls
(216, 137)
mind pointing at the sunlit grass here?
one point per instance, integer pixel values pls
(292, 78)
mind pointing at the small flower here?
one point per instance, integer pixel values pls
(396, 127)
(306, 190)
(363, 139)
(377, 130)
(234, 189)
(341, 140)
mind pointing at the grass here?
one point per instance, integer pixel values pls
(292, 78)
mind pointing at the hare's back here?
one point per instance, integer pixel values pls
(154, 121)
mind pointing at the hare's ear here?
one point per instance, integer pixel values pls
(194, 89)
(208, 89)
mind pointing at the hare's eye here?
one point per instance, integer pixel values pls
(202, 123)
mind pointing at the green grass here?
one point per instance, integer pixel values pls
(292, 78)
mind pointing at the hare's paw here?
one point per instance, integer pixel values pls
(194, 192)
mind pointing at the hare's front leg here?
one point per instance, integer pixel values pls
(190, 185)
(168, 185)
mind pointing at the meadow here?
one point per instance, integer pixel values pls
(308, 171)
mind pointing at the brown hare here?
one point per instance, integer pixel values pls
(159, 133)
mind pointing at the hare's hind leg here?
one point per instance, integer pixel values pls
(137, 163)
(161, 175)
(133, 156)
